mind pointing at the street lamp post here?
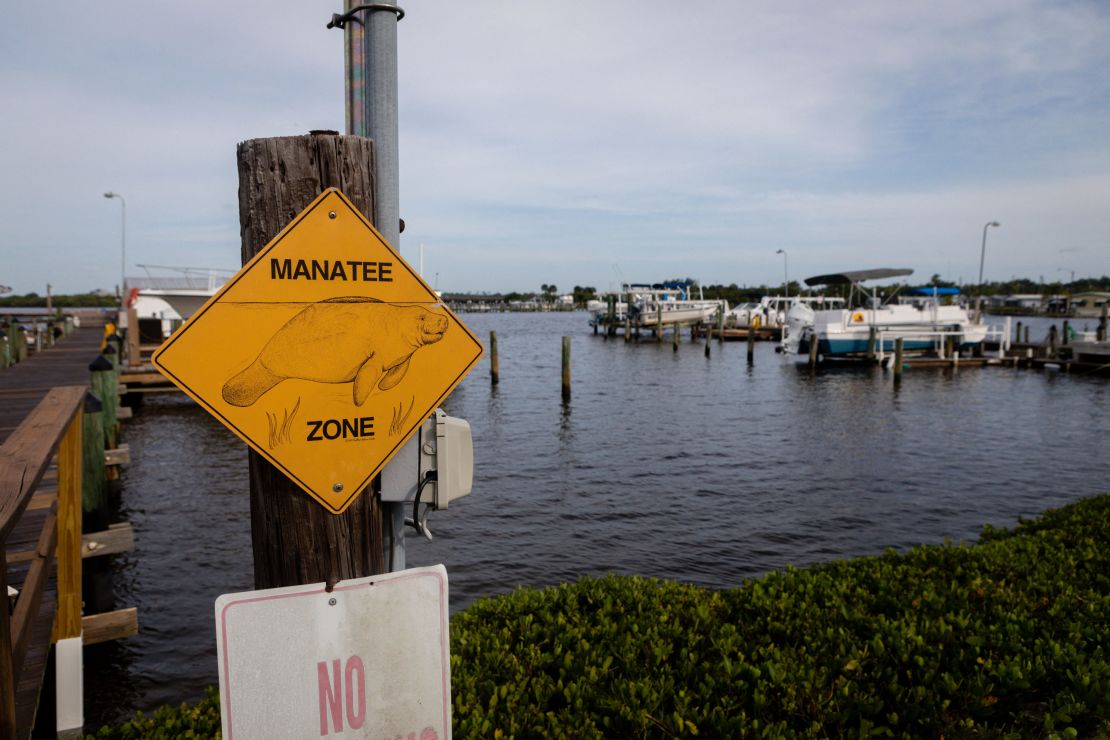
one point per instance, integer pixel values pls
(982, 257)
(785, 273)
(122, 241)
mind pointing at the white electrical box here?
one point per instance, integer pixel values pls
(442, 444)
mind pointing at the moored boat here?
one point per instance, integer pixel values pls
(875, 325)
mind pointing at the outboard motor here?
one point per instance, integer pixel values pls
(798, 319)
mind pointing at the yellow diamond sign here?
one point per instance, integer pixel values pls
(324, 353)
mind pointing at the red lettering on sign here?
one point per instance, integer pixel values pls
(353, 689)
(330, 696)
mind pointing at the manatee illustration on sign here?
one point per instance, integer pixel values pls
(325, 353)
(340, 340)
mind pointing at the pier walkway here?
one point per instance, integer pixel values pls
(33, 526)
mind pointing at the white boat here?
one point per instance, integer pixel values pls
(167, 296)
(922, 325)
(771, 311)
(648, 305)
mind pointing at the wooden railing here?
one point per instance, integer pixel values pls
(54, 427)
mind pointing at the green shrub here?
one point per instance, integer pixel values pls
(201, 720)
(1001, 639)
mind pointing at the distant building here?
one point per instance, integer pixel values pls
(1032, 301)
(1089, 304)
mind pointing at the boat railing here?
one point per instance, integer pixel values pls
(994, 334)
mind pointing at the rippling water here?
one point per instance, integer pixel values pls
(663, 464)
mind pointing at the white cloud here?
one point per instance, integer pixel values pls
(554, 141)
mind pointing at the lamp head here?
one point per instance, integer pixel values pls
(780, 251)
(109, 194)
(994, 223)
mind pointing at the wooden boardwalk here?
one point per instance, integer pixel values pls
(22, 387)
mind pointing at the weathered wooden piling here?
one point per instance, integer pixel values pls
(812, 353)
(751, 346)
(721, 324)
(295, 539)
(1100, 333)
(494, 365)
(675, 336)
(871, 343)
(1065, 333)
(1026, 340)
(105, 383)
(1017, 333)
(94, 502)
(898, 345)
(1052, 333)
(566, 368)
(627, 329)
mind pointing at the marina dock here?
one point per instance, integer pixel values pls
(44, 402)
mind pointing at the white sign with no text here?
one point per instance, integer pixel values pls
(370, 658)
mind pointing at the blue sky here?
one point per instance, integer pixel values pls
(547, 143)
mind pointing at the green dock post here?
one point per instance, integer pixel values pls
(105, 385)
(494, 365)
(94, 493)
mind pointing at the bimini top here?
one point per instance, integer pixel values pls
(858, 276)
(931, 290)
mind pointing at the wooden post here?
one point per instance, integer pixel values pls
(1026, 334)
(566, 368)
(94, 502)
(295, 539)
(134, 339)
(627, 328)
(494, 365)
(67, 621)
(898, 348)
(871, 343)
(659, 323)
(721, 324)
(812, 352)
(7, 670)
(611, 316)
(1064, 334)
(1017, 334)
(751, 345)
(674, 338)
(1052, 340)
(106, 387)
(1100, 335)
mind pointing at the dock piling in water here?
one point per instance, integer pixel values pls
(566, 369)
(898, 348)
(494, 366)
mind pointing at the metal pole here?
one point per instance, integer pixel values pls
(122, 241)
(371, 56)
(982, 257)
(785, 274)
